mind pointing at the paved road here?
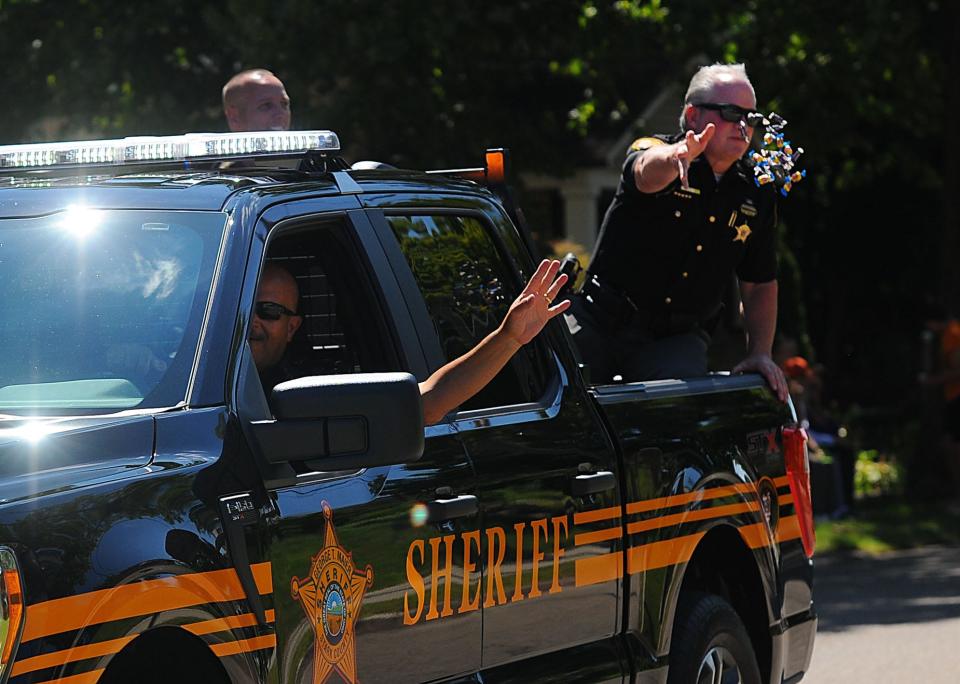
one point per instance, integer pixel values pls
(893, 618)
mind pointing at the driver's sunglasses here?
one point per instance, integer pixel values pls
(734, 113)
(271, 311)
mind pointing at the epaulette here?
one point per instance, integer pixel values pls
(644, 144)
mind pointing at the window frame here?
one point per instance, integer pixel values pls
(345, 232)
(248, 395)
(548, 404)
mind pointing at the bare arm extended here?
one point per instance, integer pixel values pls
(466, 375)
(760, 316)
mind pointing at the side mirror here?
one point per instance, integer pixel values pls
(342, 422)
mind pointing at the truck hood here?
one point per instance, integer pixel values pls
(40, 456)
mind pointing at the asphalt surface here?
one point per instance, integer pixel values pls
(891, 618)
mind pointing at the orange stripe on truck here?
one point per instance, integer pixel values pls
(596, 536)
(596, 516)
(789, 528)
(41, 662)
(227, 623)
(690, 497)
(691, 516)
(244, 645)
(85, 678)
(662, 554)
(114, 646)
(755, 535)
(597, 569)
(139, 598)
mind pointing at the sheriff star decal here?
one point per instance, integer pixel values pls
(743, 232)
(330, 596)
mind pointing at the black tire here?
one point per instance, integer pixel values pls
(709, 635)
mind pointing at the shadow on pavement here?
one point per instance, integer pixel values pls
(919, 585)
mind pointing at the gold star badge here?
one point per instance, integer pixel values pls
(331, 596)
(743, 232)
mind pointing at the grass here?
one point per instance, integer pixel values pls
(885, 524)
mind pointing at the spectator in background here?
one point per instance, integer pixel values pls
(947, 374)
(826, 435)
(799, 377)
(255, 100)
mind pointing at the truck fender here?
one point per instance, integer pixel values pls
(79, 633)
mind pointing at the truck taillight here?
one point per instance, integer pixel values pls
(798, 475)
(11, 606)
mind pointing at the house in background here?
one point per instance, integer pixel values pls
(571, 208)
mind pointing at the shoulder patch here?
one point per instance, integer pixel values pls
(644, 144)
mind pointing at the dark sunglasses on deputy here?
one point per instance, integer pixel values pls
(271, 311)
(734, 113)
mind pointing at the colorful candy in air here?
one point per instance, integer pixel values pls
(776, 158)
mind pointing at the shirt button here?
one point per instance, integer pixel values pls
(677, 213)
(668, 300)
(699, 248)
(713, 219)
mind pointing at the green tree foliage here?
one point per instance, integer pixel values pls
(93, 69)
(409, 82)
(423, 83)
(430, 84)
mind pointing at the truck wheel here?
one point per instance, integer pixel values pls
(710, 644)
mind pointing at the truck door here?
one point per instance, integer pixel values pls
(361, 576)
(548, 488)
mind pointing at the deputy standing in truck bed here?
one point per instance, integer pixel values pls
(686, 214)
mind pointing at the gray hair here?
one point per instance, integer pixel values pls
(706, 78)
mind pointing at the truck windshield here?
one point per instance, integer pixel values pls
(102, 310)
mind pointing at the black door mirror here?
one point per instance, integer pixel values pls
(341, 422)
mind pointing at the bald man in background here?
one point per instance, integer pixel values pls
(255, 100)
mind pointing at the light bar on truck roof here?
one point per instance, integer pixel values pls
(190, 147)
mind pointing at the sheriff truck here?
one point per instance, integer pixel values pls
(165, 517)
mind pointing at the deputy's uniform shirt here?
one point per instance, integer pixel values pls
(673, 252)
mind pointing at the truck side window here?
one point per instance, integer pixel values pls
(343, 330)
(468, 287)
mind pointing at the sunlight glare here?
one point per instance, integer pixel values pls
(81, 221)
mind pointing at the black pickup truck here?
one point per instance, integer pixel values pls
(166, 518)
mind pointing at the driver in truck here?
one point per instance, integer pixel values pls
(276, 321)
